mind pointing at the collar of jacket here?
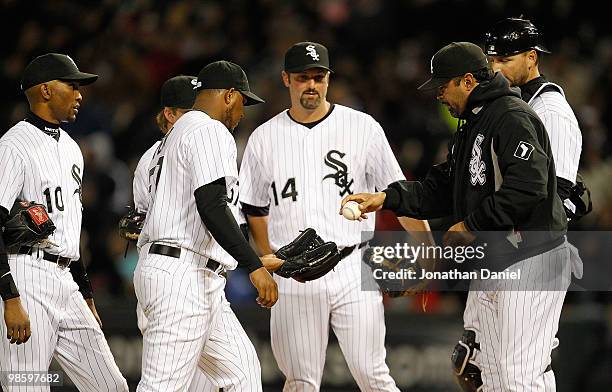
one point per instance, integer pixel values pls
(486, 92)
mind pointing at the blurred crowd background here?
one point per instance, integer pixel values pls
(380, 52)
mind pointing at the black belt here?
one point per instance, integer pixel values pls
(61, 261)
(172, 251)
(344, 252)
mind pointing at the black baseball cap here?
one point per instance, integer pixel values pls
(455, 59)
(225, 75)
(306, 55)
(54, 66)
(178, 92)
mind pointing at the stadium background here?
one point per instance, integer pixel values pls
(380, 52)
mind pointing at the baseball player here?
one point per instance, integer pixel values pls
(295, 170)
(499, 177)
(177, 97)
(49, 309)
(514, 47)
(189, 239)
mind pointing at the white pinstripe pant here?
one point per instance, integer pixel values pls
(300, 323)
(189, 324)
(62, 327)
(516, 322)
(200, 382)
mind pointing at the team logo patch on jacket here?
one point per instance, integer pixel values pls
(477, 166)
(524, 150)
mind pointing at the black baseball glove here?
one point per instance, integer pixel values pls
(580, 196)
(130, 225)
(307, 257)
(28, 225)
(396, 277)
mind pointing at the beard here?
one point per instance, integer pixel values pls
(452, 111)
(310, 102)
(227, 120)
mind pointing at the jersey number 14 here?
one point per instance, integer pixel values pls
(289, 191)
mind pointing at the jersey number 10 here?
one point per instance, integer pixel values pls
(59, 200)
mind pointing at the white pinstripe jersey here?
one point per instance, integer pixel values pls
(36, 167)
(303, 173)
(198, 151)
(141, 185)
(563, 130)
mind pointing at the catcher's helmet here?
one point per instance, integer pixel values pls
(511, 36)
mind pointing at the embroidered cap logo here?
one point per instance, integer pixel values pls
(311, 51)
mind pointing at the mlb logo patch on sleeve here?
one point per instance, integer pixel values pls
(523, 150)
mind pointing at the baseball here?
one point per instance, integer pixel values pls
(351, 210)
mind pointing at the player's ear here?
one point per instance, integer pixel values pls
(169, 115)
(532, 56)
(286, 80)
(230, 96)
(469, 81)
(45, 90)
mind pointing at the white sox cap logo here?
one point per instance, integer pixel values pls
(311, 51)
(524, 150)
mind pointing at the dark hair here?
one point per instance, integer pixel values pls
(483, 74)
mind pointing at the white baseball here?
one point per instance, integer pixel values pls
(351, 210)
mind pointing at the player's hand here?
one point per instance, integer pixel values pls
(368, 202)
(458, 235)
(271, 262)
(92, 307)
(266, 287)
(17, 321)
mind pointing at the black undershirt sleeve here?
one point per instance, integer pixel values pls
(254, 210)
(8, 289)
(79, 274)
(211, 201)
(564, 188)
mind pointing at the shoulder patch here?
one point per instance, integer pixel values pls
(524, 150)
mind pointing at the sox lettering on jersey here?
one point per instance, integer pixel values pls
(340, 177)
(76, 171)
(477, 166)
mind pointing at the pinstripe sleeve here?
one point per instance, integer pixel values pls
(211, 154)
(254, 184)
(565, 142)
(139, 188)
(12, 178)
(381, 163)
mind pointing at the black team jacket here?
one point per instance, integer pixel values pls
(499, 176)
